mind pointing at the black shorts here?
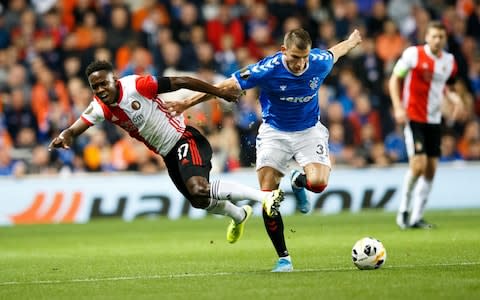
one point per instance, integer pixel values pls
(191, 156)
(423, 138)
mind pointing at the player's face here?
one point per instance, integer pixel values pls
(295, 58)
(103, 84)
(436, 39)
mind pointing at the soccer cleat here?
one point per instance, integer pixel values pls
(300, 194)
(283, 265)
(402, 219)
(422, 224)
(234, 230)
(271, 203)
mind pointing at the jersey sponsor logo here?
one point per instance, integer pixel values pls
(138, 120)
(136, 105)
(298, 99)
(283, 88)
(313, 84)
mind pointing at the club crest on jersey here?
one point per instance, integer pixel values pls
(418, 146)
(136, 105)
(314, 83)
(245, 73)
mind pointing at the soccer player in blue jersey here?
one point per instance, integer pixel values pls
(289, 82)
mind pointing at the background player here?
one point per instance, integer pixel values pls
(424, 71)
(289, 82)
(132, 103)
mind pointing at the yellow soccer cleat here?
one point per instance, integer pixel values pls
(271, 203)
(235, 231)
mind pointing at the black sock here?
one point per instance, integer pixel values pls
(274, 227)
(301, 180)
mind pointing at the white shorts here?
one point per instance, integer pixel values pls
(277, 148)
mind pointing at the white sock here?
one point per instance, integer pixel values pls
(420, 196)
(409, 182)
(225, 190)
(226, 208)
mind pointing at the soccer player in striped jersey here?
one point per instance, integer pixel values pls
(132, 102)
(289, 81)
(427, 73)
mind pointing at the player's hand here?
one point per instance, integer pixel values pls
(64, 141)
(355, 37)
(176, 108)
(229, 94)
(400, 115)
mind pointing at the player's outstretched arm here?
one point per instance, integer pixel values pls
(204, 87)
(65, 138)
(179, 106)
(345, 46)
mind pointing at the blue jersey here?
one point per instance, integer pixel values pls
(289, 102)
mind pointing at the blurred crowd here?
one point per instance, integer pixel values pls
(45, 46)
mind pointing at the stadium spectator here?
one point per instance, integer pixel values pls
(69, 31)
(376, 19)
(362, 115)
(225, 24)
(471, 135)
(50, 102)
(18, 113)
(395, 147)
(449, 152)
(389, 44)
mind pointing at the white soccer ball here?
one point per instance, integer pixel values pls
(368, 254)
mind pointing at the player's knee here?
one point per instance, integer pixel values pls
(317, 187)
(200, 197)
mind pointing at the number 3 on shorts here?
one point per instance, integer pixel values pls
(322, 149)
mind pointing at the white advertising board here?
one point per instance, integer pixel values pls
(78, 199)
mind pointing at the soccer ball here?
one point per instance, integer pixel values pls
(368, 253)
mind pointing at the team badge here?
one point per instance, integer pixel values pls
(136, 105)
(418, 146)
(314, 83)
(245, 73)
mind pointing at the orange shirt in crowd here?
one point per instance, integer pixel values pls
(390, 47)
(41, 101)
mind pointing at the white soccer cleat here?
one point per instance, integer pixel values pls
(271, 203)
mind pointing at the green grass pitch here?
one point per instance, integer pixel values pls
(190, 259)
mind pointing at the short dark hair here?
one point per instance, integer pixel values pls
(436, 25)
(98, 65)
(298, 37)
